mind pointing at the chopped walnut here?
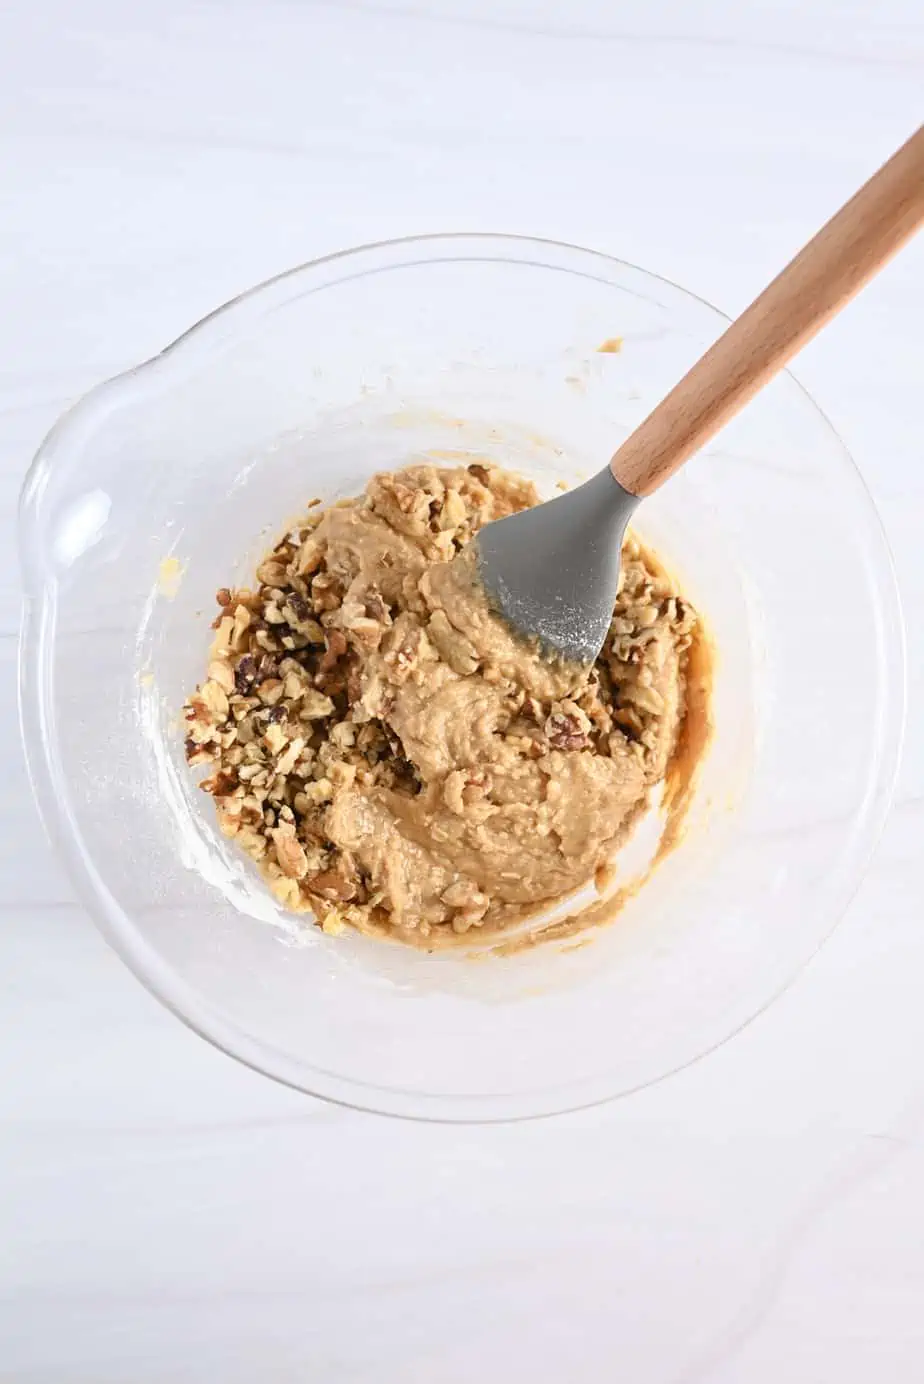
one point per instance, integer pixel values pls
(289, 853)
(567, 727)
(481, 473)
(315, 706)
(336, 648)
(406, 507)
(309, 558)
(404, 648)
(453, 514)
(221, 672)
(332, 884)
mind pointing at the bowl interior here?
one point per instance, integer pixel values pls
(169, 482)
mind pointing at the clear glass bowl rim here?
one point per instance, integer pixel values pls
(35, 712)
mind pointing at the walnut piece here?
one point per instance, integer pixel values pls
(289, 853)
(567, 727)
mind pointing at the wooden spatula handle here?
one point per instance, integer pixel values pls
(833, 266)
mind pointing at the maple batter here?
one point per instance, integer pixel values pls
(392, 755)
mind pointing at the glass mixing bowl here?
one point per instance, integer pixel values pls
(168, 482)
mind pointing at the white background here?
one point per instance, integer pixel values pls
(165, 1215)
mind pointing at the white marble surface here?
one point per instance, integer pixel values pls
(167, 1216)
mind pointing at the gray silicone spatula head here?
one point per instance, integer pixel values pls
(553, 571)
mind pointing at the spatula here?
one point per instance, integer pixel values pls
(552, 571)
